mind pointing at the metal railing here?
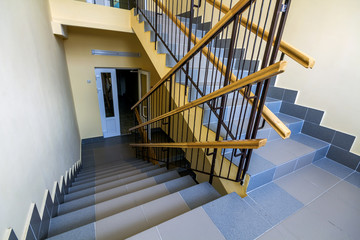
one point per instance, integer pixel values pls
(216, 91)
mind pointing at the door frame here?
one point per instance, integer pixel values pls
(116, 117)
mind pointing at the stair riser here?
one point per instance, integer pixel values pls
(117, 192)
(109, 179)
(109, 173)
(110, 185)
(106, 166)
(234, 113)
(100, 211)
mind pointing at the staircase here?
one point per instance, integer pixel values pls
(278, 157)
(119, 199)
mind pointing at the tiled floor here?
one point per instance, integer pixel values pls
(319, 201)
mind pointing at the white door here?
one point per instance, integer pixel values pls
(144, 87)
(108, 101)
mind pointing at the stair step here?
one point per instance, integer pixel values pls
(113, 184)
(108, 208)
(112, 177)
(145, 216)
(102, 175)
(281, 157)
(116, 192)
(107, 165)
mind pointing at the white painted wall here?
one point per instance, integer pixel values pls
(38, 128)
(328, 31)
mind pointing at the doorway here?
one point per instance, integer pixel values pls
(118, 90)
(127, 82)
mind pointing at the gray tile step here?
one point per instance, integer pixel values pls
(112, 177)
(110, 168)
(233, 112)
(109, 173)
(295, 125)
(145, 216)
(108, 208)
(107, 165)
(99, 197)
(281, 157)
(110, 185)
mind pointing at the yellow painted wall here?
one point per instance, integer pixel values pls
(39, 134)
(82, 14)
(82, 63)
(331, 35)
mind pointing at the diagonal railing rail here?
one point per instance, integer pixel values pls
(229, 71)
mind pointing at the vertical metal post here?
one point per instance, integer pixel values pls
(156, 21)
(169, 123)
(189, 42)
(223, 98)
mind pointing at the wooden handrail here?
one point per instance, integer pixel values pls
(198, 43)
(145, 137)
(239, 144)
(258, 76)
(294, 53)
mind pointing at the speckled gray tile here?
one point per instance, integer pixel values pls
(133, 221)
(340, 207)
(35, 220)
(293, 110)
(321, 153)
(149, 234)
(344, 157)
(333, 167)
(281, 151)
(314, 116)
(235, 218)
(276, 92)
(309, 141)
(45, 222)
(261, 179)
(285, 168)
(86, 232)
(290, 95)
(277, 232)
(274, 203)
(10, 234)
(166, 176)
(72, 220)
(343, 140)
(164, 208)
(307, 183)
(199, 194)
(179, 184)
(317, 131)
(306, 224)
(354, 179)
(76, 204)
(304, 160)
(197, 223)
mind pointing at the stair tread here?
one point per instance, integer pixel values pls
(109, 173)
(110, 207)
(113, 177)
(147, 215)
(116, 192)
(108, 165)
(109, 185)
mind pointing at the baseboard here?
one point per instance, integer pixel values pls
(340, 142)
(37, 222)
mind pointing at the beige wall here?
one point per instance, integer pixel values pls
(82, 65)
(39, 134)
(80, 14)
(329, 33)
